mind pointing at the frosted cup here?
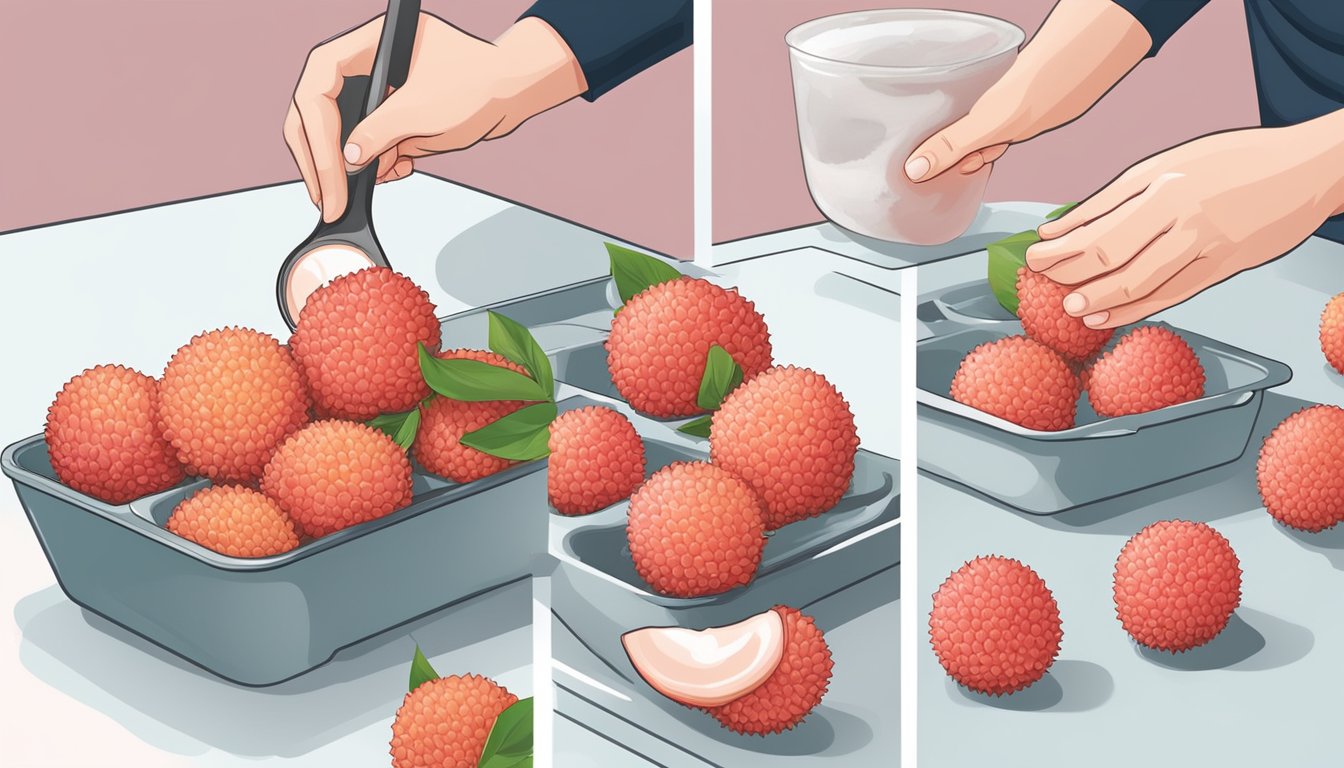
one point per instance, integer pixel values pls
(869, 87)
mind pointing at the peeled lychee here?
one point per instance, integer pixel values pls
(357, 339)
(227, 399)
(790, 435)
(596, 460)
(793, 691)
(1301, 469)
(1332, 332)
(708, 667)
(660, 341)
(1041, 309)
(104, 438)
(1019, 380)
(1150, 368)
(695, 529)
(234, 521)
(444, 723)
(1176, 585)
(334, 474)
(995, 626)
(444, 421)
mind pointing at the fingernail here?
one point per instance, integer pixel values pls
(1075, 303)
(1096, 319)
(916, 167)
(352, 152)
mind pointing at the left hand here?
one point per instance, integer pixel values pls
(1189, 218)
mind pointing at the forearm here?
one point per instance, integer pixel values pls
(1323, 139)
(541, 71)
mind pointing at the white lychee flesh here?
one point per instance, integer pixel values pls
(708, 667)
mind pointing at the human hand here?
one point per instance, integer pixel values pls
(460, 90)
(1191, 217)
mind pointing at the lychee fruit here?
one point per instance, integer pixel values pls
(1019, 380)
(793, 691)
(695, 529)
(234, 521)
(1300, 472)
(790, 435)
(104, 438)
(334, 474)
(357, 339)
(596, 460)
(1332, 332)
(1150, 368)
(227, 399)
(661, 338)
(445, 722)
(1176, 585)
(995, 626)
(1041, 310)
(444, 421)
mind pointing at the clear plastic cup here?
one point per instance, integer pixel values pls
(869, 87)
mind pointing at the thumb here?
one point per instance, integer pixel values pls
(947, 148)
(381, 130)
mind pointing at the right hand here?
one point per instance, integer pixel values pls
(969, 144)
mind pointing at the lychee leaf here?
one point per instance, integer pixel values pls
(421, 670)
(722, 375)
(510, 742)
(474, 381)
(1060, 211)
(1008, 255)
(636, 272)
(514, 341)
(519, 436)
(401, 427)
(697, 427)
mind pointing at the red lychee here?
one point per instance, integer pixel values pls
(234, 521)
(790, 435)
(1021, 381)
(1150, 368)
(357, 340)
(444, 723)
(1041, 310)
(1301, 469)
(104, 438)
(1176, 585)
(793, 691)
(660, 341)
(444, 421)
(995, 626)
(695, 529)
(1332, 332)
(596, 460)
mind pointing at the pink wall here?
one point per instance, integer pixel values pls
(117, 104)
(1200, 82)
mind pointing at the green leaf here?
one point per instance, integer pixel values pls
(722, 375)
(1061, 210)
(401, 427)
(474, 381)
(514, 341)
(1007, 256)
(510, 742)
(636, 272)
(519, 436)
(697, 427)
(421, 670)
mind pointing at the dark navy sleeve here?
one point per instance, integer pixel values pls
(1161, 17)
(614, 40)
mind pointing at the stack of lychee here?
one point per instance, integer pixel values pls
(1035, 380)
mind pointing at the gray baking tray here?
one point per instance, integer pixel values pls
(1048, 472)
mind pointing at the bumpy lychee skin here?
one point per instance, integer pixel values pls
(1152, 367)
(661, 338)
(596, 460)
(1041, 309)
(227, 399)
(995, 626)
(1176, 585)
(695, 529)
(234, 521)
(334, 474)
(793, 691)
(790, 435)
(104, 438)
(1019, 380)
(1300, 472)
(444, 421)
(357, 339)
(1332, 332)
(445, 723)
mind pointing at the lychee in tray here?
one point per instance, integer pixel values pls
(1047, 472)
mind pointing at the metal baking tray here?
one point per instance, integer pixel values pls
(1049, 472)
